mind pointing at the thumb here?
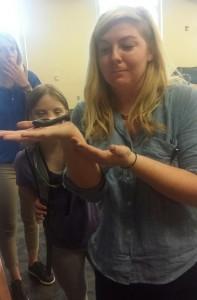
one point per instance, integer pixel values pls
(24, 124)
(115, 149)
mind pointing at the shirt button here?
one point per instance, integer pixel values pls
(129, 203)
(129, 232)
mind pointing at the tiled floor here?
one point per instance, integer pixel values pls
(40, 292)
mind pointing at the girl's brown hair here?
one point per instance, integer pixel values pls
(42, 90)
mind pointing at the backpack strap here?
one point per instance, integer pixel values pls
(38, 169)
(38, 190)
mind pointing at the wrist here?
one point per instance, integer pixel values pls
(132, 160)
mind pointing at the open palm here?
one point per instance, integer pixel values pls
(116, 155)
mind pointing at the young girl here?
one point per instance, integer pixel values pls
(39, 176)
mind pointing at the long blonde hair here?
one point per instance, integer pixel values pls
(98, 116)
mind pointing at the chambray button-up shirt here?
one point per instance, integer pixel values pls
(143, 236)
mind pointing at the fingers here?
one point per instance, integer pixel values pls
(113, 148)
(123, 154)
(24, 124)
(119, 150)
(10, 135)
(9, 69)
(33, 136)
(29, 135)
(14, 72)
(102, 157)
(40, 211)
(5, 132)
(89, 151)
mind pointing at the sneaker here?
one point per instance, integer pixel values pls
(17, 291)
(39, 271)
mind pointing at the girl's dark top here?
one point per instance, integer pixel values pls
(70, 219)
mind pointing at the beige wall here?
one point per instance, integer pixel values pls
(57, 38)
(58, 32)
(181, 45)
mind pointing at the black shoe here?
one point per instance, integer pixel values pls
(39, 271)
(17, 291)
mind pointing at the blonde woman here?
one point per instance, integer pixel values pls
(140, 163)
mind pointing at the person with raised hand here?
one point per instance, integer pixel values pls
(139, 153)
(15, 83)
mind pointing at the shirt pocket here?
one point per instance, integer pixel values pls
(161, 150)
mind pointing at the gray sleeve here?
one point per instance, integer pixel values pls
(187, 136)
(24, 175)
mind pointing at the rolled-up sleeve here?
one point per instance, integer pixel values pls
(187, 137)
(24, 175)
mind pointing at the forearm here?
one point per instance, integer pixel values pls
(26, 193)
(82, 171)
(175, 183)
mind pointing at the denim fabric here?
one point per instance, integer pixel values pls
(143, 236)
(12, 110)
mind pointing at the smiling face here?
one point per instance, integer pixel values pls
(123, 56)
(48, 107)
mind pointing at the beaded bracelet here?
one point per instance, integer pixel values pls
(131, 165)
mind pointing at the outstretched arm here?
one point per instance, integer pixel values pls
(83, 172)
(175, 183)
